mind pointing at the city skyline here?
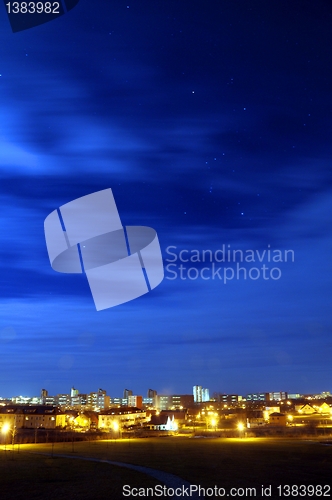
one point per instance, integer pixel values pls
(211, 124)
(205, 394)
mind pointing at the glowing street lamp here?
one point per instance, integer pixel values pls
(240, 428)
(214, 423)
(5, 428)
(116, 428)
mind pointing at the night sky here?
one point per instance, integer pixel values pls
(211, 123)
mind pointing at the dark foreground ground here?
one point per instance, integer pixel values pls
(225, 463)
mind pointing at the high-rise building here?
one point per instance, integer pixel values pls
(43, 396)
(98, 399)
(201, 394)
(127, 393)
(63, 400)
(197, 390)
(135, 401)
(205, 394)
(73, 392)
(79, 400)
(51, 400)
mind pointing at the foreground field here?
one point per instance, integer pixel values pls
(227, 463)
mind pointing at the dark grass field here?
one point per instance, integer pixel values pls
(29, 476)
(227, 463)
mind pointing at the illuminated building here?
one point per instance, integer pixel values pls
(98, 400)
(258, 396)
(32, 417)
(200, 394)
(73, 392)
(122, 417)
(277, 396)
(174, 402)
(135, 401)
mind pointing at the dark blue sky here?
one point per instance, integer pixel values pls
(211, 122)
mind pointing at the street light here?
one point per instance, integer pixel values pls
(5, 428)
(240, 428)
(116, 428)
